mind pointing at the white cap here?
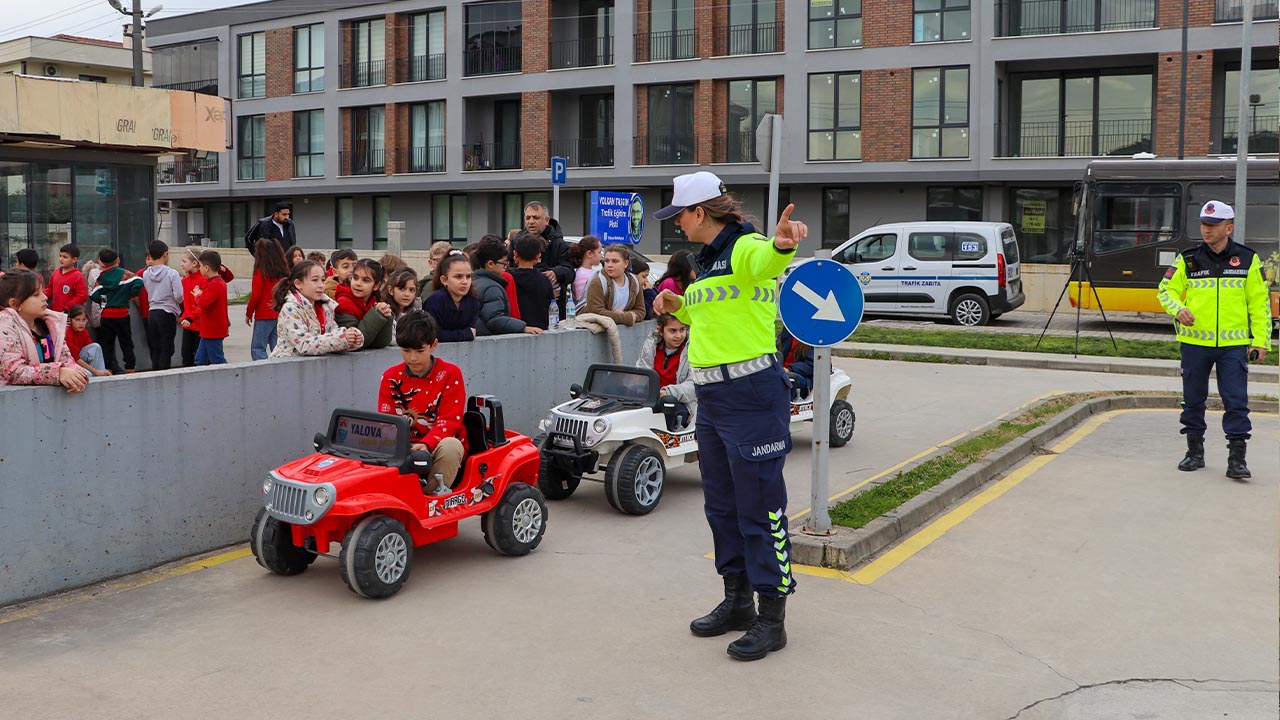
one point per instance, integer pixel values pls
(691, 189)
(1215, 212)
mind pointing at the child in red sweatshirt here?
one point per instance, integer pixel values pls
(430, 392)
(211, 299)
(67, 287)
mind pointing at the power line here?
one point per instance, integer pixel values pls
(21, 29)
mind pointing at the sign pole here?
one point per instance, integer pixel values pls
(1242, 134)
(775, 163)
(819, 522)
(555, 202)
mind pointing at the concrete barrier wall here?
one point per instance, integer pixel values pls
(145, 469)
(1042, 285)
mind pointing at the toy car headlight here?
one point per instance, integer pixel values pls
(322, 496)
(266, 486)
(544, 425)
(600, 426)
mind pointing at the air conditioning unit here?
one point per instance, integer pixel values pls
(51, 70)
(164, 206)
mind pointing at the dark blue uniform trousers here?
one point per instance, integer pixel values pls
(1233, 385)
(744, 435)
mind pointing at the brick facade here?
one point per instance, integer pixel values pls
(279, 42)
(397, 51)
(1169, 102)
(396, 135)
(345, 34)
(536, 35)
(886, 115)
(279, 145)
(642, 125)
(707, 15)
(704, 120)
(642, 32)
(344, 140)
(886, 23)
(535, 131)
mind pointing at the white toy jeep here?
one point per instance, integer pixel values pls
(615, 430)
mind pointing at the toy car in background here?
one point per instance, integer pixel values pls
(363, 488)
(614, 430)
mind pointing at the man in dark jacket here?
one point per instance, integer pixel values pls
(278, 226)
(555, 259)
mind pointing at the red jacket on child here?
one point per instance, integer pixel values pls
(434, 404)
(511, 294)
(349, 304)
(261, 299)
(190, 303)
(66, 289)
(214, 324)
(76, 341)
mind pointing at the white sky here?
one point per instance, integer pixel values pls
(87, 18)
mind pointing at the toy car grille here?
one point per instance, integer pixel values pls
(569, 426)
(288, 502)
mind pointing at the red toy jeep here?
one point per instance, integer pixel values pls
(363, 488)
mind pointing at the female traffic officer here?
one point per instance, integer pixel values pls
(743, 425)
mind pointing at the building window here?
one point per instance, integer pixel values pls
(308, 143)
(672, 238)
(1053, 17)
(493, 38)
(513, 205)
(1081, 114)
(252, 73)
(1261, 118)
(1233, 10)
(835, 216)
(835, 24)
(225, 223)
(426, 137)
(1040, 219)
(426, 46)
(671, 139)
(368, 141)
(941, 20)
(449, 219)
(344, 222)
(835, 116)
(954, 204)
(381, 216)
(251, 147)
(753, 28)
(940, 113)
(308, 58)
(749, 102)
(92, 78)
(368, 61)
(190, 66)
(671, 32)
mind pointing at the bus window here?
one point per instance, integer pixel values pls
(1130, 216)
(1261, 220)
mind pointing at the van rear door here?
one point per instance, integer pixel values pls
(1012, 260)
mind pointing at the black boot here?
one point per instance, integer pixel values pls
(766, 634)
(1236, 469)
(736, 612)
(1194, 459)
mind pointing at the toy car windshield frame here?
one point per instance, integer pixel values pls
(396, 458)
(651, 394)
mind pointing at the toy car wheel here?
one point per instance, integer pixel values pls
(516, 524)
(555, 483)
(970, 310)
(376, 557)
(271, 541)
(842, 419)
(634, 480)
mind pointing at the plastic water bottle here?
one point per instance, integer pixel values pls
(570, 313)
(553, 317)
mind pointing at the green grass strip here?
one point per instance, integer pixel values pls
(1093, 346)
(861, 509)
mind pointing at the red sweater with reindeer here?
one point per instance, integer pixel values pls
(434, 403)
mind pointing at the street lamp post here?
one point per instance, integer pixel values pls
(135, 13)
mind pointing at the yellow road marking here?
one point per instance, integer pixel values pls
(76, 597)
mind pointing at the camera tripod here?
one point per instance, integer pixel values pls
(1080, 267)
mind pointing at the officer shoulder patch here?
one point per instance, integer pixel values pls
(1168, 274)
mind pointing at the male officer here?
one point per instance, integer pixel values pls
(1217, 293)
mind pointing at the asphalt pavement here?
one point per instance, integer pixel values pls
(1104, 584)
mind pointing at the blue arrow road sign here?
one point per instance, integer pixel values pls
(821, 303)
(559, 170)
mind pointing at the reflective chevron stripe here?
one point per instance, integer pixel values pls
(779, 533)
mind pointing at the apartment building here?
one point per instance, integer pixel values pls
(445, 114)
(74, 58)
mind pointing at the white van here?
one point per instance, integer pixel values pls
(966, 270)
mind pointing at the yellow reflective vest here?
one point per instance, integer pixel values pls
(730, 309)
(1225, 292)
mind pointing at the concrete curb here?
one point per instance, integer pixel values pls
(1041, 361)
(848, 548)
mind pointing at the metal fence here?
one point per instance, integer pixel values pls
(666, 149)
(666, 45)
(491, 156)
(177, 170)
(584, 152)
(1081, 138)
(1262, 129)
(492, 60)
(748, 39)
(363, 74)
(1049, 17)
(208, 87)
(582, 52)
(366, 162)
(424, 159)
(1233, 10)
(734, 147)
(418, 68)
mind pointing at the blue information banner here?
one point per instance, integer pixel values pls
(617, 218)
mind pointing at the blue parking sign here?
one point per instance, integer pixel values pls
(559, 170)
(821, 303)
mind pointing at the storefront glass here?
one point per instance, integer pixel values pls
(1040, 217)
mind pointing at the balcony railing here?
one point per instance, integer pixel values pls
(581, 52)
(666, 149)
(1264, 137)
(418, 68)
(734, 147)
(492, 60)
(365, 162)
(584, 152)
(363, 74)
(666, 45)
(1233, 10)
(748, 39)
(491, 156)
(1050, 17)
(208, 87)
(424, 159)
(1081, 138)
(182, 169)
